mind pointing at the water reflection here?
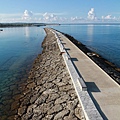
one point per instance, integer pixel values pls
(15, 62)
(90, 29)
(27, 34)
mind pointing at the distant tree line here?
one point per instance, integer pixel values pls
(25, 24)
(21, 24)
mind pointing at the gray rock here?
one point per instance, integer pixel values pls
(72, 104)
(79, 113)
(37, 117)
(37, 111)
(52, 97)
(55, 109)
(62, 99)
(49, 117)
(41, 99)
(26, 116)
(30, 108)
(33, 98)
(65, 88)
(61, 114)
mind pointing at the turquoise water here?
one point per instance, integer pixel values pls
(17, 46)
(103, 39)
(18, 49)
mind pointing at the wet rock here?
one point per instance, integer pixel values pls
(17, 97)
(22, 110)
(3, 117)
(15, 105)
(31, 85)
(25, 102)
(11, 117)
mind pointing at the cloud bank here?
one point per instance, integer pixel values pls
(29, 16)
(50, 17)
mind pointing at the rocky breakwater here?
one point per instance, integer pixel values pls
(49, 93)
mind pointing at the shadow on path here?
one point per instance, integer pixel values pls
(92, 87)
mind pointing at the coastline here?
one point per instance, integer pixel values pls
(112, 70)
(49, 82)
(49, 93)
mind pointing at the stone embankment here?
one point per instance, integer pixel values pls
(49, 93)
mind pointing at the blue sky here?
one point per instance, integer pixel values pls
(59, 10)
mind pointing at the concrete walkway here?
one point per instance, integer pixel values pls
(104, 92)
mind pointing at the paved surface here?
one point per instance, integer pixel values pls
(90, 111)
(102, 89)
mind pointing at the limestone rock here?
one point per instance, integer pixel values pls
(61, 114)
(62, 99)
(22, 110)
(55, 109)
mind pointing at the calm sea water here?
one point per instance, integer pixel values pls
(103, 39)
(18, 49)
(20, 46)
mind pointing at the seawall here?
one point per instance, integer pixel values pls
(103, 90)
(49, 90)
(55, 89)
(110, 68)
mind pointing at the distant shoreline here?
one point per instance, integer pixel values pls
(2, 25)
(109, 67)
(91, 23)
(20, 24)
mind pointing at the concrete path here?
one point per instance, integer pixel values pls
(104, 92)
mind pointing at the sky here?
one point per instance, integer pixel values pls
(59, 11)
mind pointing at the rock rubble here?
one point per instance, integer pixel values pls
(48, 93)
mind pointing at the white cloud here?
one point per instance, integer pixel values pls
(108, 17)
(27, 14)
(77, 19)
(91, 14)
(50, 17)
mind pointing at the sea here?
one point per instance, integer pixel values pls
(103, 39)
(19, 46)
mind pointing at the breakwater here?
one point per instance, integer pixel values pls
(103, 90)
(110, 68)
(49, 93)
